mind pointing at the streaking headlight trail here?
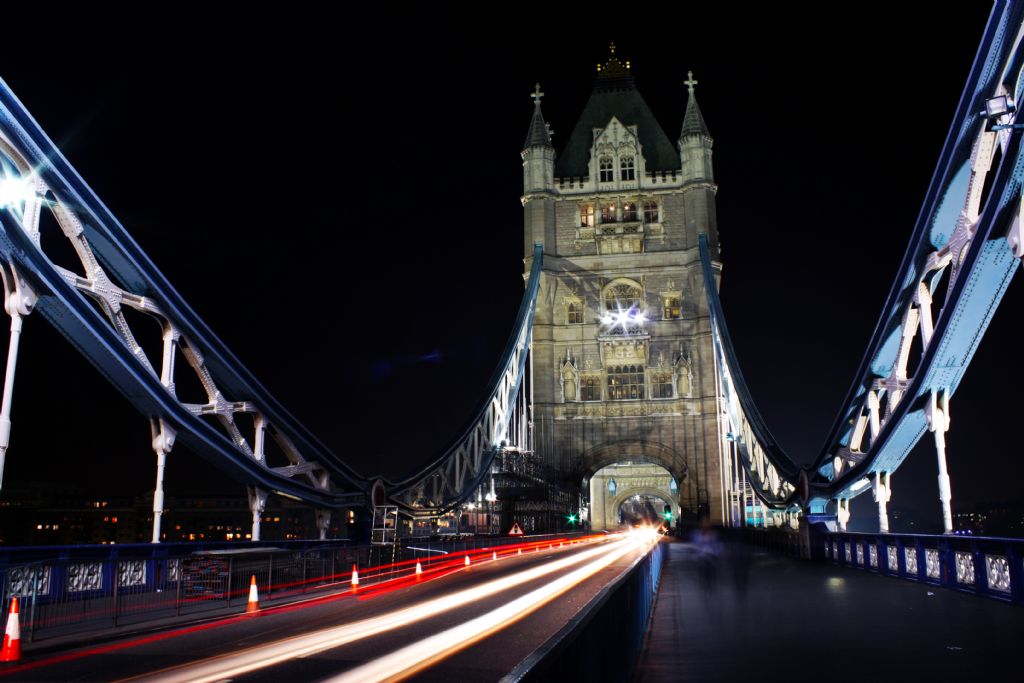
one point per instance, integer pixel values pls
(270, 654)
(423, 653)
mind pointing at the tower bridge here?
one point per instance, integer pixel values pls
(619, 380)
(619, 353)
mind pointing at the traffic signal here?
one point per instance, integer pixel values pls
(668, 513)
(571, 519)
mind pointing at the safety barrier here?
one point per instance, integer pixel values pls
(604, 641)
(985, 566)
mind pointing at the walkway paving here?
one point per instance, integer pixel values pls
(779, 619)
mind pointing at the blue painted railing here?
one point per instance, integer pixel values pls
(986, 566)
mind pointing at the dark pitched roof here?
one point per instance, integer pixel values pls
(616, 97)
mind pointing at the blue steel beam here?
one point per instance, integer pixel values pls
(123, 271)
(81, 323)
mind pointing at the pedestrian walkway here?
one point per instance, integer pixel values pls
(754, 614)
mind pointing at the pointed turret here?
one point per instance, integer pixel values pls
(539, 134)
(538, 180)
(698, 175)
(693, 122)
(538, 154)
(695, 141)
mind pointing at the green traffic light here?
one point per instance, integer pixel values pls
(571, 519)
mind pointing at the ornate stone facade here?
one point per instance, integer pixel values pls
(622, 357)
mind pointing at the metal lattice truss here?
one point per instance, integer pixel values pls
(89, 307)
(461, 470)
(965, 249)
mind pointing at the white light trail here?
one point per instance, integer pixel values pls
(269, 654)
(422, 653)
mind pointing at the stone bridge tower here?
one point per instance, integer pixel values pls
(623, 372)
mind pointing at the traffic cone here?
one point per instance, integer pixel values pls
(494, 556)
(467, 560)
(11, 651)
(355, 578)
(419, 570)
(254, 598)
(520, 552)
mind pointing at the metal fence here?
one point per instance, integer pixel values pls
(88, 589)
(985, 566)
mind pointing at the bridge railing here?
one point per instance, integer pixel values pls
(986, 566)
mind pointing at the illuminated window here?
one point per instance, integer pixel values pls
(608, 213)
(673, 306)
(625, 382)
(590, 388)
(607, 169)
(627, 169)
(574, 312)
(629, 211)
(661, 385)
(586, 215)
(622, 295)
(650, 212)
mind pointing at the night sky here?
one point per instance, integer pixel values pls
(337, 194)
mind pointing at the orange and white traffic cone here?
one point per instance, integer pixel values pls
(467, 561)
(11, 651)
(355, 578)
(494, 556)
(253, 605)
(520, 552)
(419, 570)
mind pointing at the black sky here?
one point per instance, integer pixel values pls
(337, 193)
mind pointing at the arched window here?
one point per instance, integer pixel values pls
(608, 214)
(629, 211)
(661, 385)
(673, 306)
(650, 212)
(586, 215)
(590, 388)
(627, 169)
(622, 295)
(574, 312)
(607, 169)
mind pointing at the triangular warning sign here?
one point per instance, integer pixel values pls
(516, 530)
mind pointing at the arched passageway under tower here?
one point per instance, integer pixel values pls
(615, 484)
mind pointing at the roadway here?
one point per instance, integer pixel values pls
(467, 623)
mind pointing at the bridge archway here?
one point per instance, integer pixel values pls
(637, 452)
(615, 484)
(642, 496)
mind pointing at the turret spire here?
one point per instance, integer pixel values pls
(693, 122)
(539, 133)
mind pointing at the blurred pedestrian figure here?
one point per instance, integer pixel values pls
(709, 548)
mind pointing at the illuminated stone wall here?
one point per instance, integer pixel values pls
(640, 388)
